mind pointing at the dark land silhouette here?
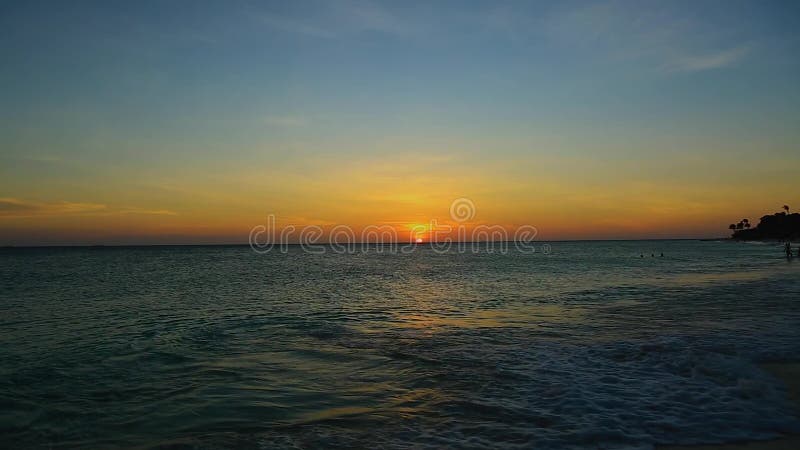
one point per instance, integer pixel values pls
(781, 225)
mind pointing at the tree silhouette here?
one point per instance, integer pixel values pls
(779, 225)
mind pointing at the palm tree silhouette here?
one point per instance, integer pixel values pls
(786, 208)
(732, 227)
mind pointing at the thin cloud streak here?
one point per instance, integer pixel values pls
(287, 24)
(286, 121)
(12, 207)
(45, 159)
(656, 37)
(710, 61)
(148, 212)
(340, 19)
(16, 208)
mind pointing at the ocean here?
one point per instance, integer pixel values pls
(587, 345)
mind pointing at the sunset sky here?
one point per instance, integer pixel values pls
(189, 122)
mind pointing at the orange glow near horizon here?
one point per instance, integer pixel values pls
(198, 207)
(567, 218)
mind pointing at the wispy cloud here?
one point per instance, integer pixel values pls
(342, 18)
(148, 212)
(11, 207)
(657, 36)
(285, 121)
(369, 16)
(716, 60)
(46, 159)
(16, 208)
(297, 26)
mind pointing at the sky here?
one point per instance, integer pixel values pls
(190, 122)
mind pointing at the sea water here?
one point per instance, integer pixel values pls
(588, 345)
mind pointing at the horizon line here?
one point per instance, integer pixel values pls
(352, 243)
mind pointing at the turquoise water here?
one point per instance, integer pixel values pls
(220, 347)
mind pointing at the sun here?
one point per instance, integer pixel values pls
(418, 231)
